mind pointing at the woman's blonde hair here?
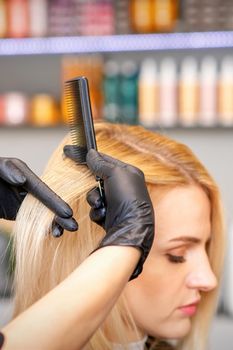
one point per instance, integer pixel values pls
(43, 261)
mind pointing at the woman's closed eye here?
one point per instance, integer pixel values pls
(176, 258)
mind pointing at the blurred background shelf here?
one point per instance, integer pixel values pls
(116, 43)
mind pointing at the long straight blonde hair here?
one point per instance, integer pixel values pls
(43, 261)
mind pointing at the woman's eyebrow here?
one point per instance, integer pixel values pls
(188, 239)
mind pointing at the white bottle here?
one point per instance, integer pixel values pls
(188, 92)
(208, 91)
(168, 92)
(148, 93)
(16, 108)
(225, 96)
(38, 18)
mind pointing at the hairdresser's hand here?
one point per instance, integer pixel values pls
(129, 216)
(16, 180)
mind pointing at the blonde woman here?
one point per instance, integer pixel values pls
(174, 297)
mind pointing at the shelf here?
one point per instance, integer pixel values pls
(158, 128)
(116, 43)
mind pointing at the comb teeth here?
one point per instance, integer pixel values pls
(75, 118)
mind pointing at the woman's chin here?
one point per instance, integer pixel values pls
(177, 331)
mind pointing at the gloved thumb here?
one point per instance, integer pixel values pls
(76, 153)
(98, 165)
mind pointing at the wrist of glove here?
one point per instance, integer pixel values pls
(128, 216)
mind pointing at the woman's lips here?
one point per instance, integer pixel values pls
(189, 310)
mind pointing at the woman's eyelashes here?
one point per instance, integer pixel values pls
(176, 258)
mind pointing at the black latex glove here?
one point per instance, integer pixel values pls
(1, 339)
(16, 180)
(128, 216)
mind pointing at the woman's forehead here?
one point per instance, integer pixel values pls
(182, 211)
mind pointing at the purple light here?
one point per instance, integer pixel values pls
(116, 43)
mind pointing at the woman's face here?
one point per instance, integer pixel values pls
(165, 296)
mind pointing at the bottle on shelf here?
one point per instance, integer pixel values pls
(188, 92)
(225, 92)
(199, 15)
(18, 22)
(129, 92)
(122, 15)
(3, 19)
(38, 11)
(2, 110)
(148, 91)
(111, 87)
(168, 92)
(141, 15)
(92, 68)
(16, 108)
(165, 15)
(208, 92)
(44, 111)
(60, 17)
(96, 17)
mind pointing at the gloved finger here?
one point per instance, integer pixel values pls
(10, 172)
(57, 230)
(98, 215)
(76, 153)
(41, 191)
(98, 165)
(69, 224)
(94, 198)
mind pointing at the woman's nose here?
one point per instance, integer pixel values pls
(202, 277)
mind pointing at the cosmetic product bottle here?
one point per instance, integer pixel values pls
(17, 18)
(38, 18)
(90, 66)
(129, 92)
(44, 111)
(141, 15)
(188, 92)
(225, 18)
(97, 17)
(148, 99)
(111, 86)
(209, 15)
(168, 92)
(190, 14)
(208, 92)
(60, 17)
(105, 18)
(165, 14)
(16, 108)
(3, 19)
(225, 92)
(2, 109)
(122, 15)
